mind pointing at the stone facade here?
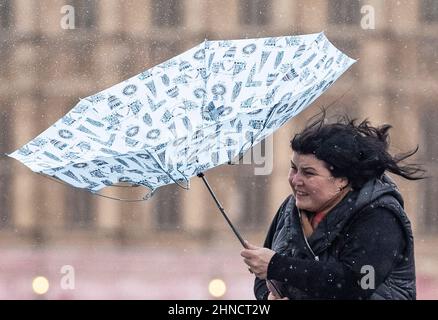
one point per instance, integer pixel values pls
(46, 68)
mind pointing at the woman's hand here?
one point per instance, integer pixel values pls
(257, 259)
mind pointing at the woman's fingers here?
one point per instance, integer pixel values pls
(250, 246)
(246, 253)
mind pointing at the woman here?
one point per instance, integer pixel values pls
(343, 234)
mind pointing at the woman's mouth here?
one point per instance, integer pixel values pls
(301, 194)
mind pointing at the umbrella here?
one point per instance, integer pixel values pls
(186, 115)
(191, 113)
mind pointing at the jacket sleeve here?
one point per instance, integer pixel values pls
(375, 241)
(261, 291)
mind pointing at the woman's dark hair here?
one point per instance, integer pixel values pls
(358, 152)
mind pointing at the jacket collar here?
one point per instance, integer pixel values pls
(332, 224)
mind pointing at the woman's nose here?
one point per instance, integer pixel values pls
(296, 179)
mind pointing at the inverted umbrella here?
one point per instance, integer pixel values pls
(186, 115)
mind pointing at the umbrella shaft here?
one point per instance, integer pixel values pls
(221, 209)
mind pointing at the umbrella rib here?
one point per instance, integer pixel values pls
(146, 197)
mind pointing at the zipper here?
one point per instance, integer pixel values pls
(305, 238)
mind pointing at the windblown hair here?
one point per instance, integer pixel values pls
(358, 152)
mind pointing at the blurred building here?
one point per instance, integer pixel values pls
(46, 68)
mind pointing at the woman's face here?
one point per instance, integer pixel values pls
(314, 188)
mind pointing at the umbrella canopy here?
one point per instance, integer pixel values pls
(191, 113)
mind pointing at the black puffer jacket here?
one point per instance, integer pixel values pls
(362, 249)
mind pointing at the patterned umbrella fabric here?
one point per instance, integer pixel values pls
(186, 115)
